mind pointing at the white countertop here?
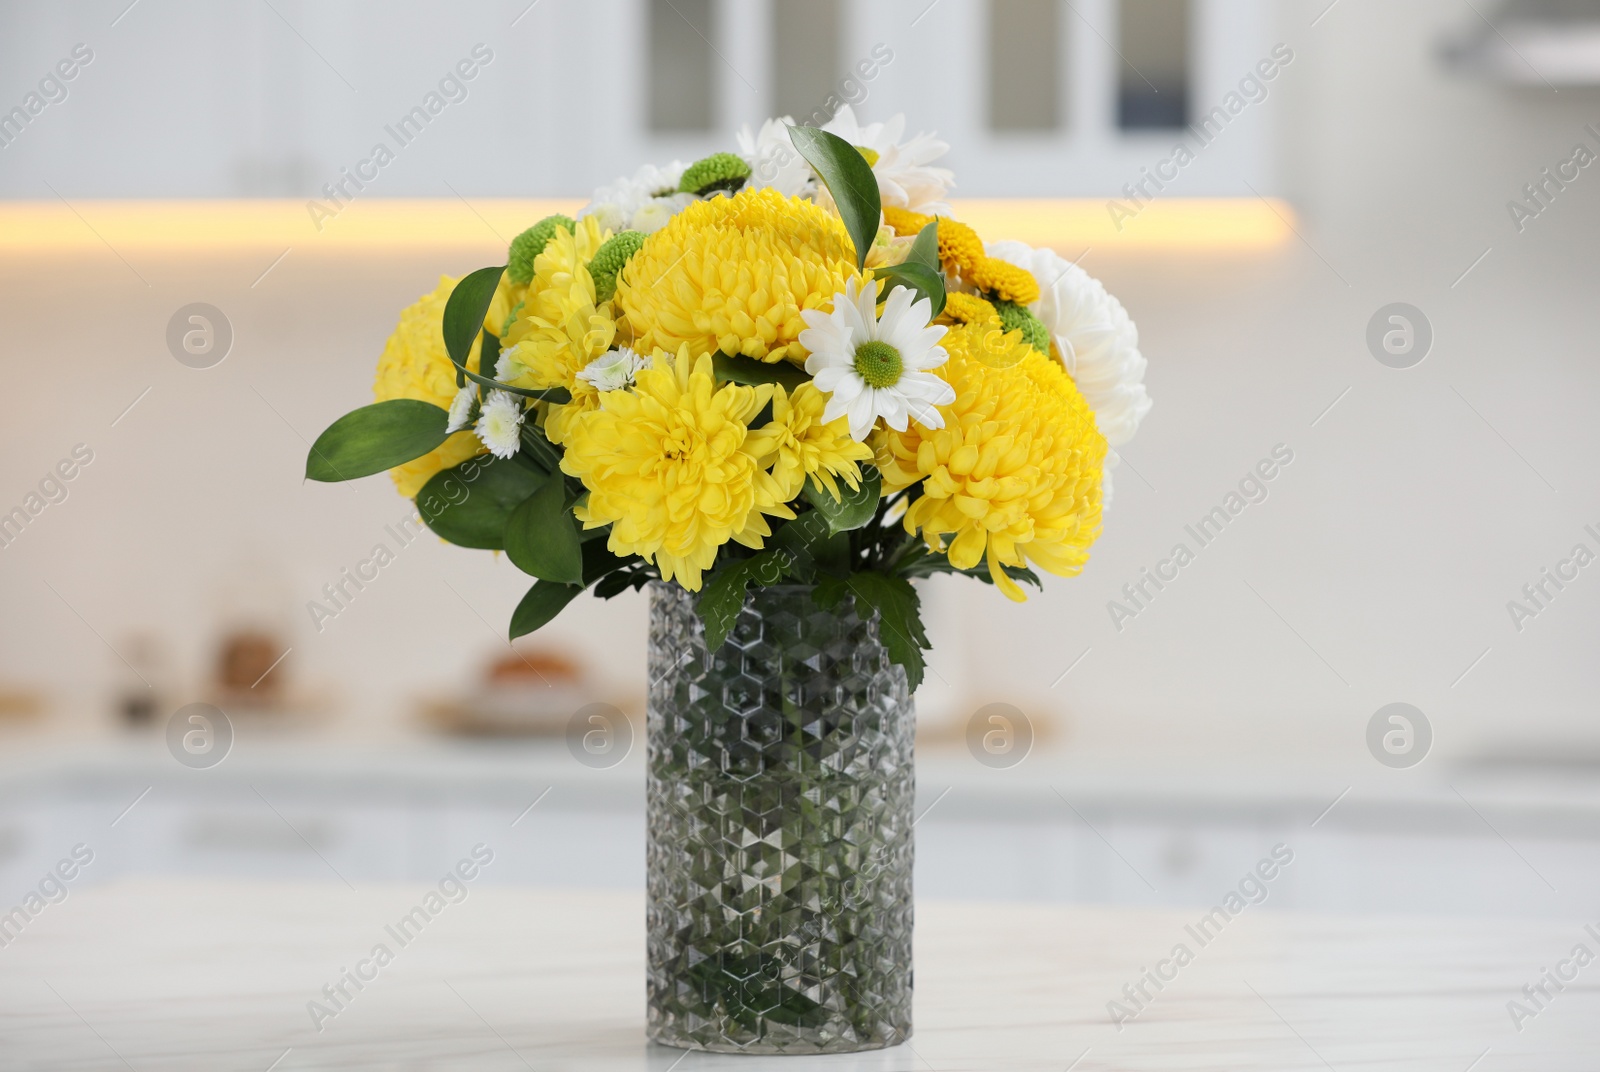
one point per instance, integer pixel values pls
(175, 975)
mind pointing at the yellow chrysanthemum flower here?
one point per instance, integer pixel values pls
(1004, 280)
(960, 248)
(797, 445)
(670, 467)
(1014, 476)
(415, 364)
(961, 252)
(962, 308)
(561, 327)
(733, 274)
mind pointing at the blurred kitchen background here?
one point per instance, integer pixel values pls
(1377, 165)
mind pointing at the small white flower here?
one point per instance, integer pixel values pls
(612, 216)
(613, 370)
(904, 177)
(619, 202)
(461, 409)
(875, 368)
(507, 368)
(656, 212)
(500, 424)
(773, 159)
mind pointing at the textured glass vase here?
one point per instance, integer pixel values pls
(780, 808)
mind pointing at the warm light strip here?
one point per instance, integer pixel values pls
(1071, 226)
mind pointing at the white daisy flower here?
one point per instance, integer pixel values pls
(901, 167)
(461, 409)
(773, 159)
(613, 370)
(1098, 341)
(875, 368)
(500, 424)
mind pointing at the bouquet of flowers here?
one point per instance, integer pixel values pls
(789, 364)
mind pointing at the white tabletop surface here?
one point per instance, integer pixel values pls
(173, 975)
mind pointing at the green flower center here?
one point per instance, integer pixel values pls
(878, 363)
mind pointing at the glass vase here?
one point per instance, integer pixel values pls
(780, 809)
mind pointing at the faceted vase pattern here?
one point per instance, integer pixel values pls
(780, 808)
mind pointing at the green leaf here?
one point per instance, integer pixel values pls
(470, 504)
(541, 537)
(723, 596)
(899, 619)
(599, 562)
(925, 250)
(376, 437)
(488, 357)
(814, 545)
(543, 602)
(736, 368)
(849, 178)
(921, 280)
(855, 508)
(720, 602)
(830, 592)
(614, 584)
(537, 448)
(546, 599)
(464, 312)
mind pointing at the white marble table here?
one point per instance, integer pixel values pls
(173, 975)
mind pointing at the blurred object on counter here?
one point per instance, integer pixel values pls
(248, 673)
(20, 704)
(525, 693)
(251, 681)
(144, 680)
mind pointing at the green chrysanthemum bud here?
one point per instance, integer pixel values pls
(1017, 318)
(719, 171)
(609, 260)
(530, 243)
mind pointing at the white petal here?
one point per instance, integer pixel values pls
(930, 357)
(831, 379)
(927, 387)
(866, 308)
(862, 415)
(894, 415)
(925, 415)
(839, 403)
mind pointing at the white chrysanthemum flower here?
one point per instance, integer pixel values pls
(461, 409)
(619, 203)
(611, 216)
(904, 177)
(1099, 342)
(506, 367)
(613, 370)
(500, 424)
(773, 159)
(656, 212)
(871, 367)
